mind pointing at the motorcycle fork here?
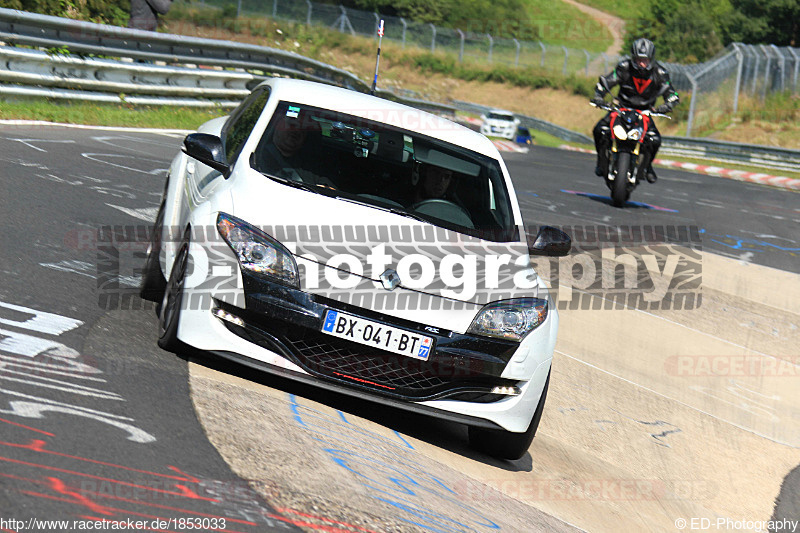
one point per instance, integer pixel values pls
(635, 163)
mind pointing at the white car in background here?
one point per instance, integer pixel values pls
(301, 235)
(500, 123)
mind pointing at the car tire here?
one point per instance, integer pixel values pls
(505, 444)
(170, 307)
(153, 282)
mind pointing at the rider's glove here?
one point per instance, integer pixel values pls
(598, 100)
(663, 108)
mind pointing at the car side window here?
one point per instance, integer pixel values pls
(237, 129)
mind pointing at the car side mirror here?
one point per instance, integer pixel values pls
(208, 150)
(551, 242)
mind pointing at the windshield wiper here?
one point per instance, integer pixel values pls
(290, 183)
(394, 210)
(404, 213)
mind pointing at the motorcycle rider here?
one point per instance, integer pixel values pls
(641, 81)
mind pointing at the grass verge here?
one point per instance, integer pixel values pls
(102, 114)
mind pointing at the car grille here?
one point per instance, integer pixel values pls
(443, 375)
(348, 360)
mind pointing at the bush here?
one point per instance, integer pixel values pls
(114, 12)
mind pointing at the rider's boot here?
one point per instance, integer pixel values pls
(651, 175)
(602, 164)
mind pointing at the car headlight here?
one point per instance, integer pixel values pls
(510, 319)
(258, 252)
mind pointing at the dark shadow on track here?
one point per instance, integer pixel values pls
(607, 201)
(447, 435)
(787, 504)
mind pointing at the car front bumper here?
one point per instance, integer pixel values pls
(279, 330)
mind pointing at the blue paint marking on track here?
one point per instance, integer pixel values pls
(294, 405)
(399, 436)
(631, 204)
(735, 242)
(394, 476)
(530, 193)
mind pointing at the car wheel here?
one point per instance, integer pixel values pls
(169, 314)
(505, 444)
(153, 282)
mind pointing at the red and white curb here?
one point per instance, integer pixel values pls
(739, 175)
(508, 146)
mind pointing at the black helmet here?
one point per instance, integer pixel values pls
(643, 53)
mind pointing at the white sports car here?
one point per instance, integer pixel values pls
(500, 123)
(363, 246)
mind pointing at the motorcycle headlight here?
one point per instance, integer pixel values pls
(510, 319)
(635, 134)
(620, 132)
(258, 252)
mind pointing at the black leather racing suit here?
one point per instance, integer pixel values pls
(637, 91)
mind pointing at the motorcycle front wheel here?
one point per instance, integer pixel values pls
(619, 188)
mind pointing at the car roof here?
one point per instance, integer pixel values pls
(501, 112)
(374, 108)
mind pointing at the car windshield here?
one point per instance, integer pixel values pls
(501, 116)
(369, 162)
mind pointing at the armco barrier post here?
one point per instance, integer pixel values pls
(755, 72)
(782, 63)
(796, 65)
(690, 120)
(740, 59)
(766, 72)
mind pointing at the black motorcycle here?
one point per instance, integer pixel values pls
(626, 162)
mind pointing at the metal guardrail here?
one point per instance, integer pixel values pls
(32, 29)
(70, 73)
(764, 156)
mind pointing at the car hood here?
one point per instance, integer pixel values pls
(344, 249)
(500, 123)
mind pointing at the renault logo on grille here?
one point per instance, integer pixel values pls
(390, 280)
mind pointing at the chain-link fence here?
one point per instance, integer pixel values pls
(466, 46)
(715, 86)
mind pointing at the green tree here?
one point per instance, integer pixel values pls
(763, 22)
(104, 11)
(682, 31)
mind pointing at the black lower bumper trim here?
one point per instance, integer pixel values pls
(316, 382)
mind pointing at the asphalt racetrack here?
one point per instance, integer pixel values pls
(657, 415)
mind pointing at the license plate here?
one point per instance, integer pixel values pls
(381, 336)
